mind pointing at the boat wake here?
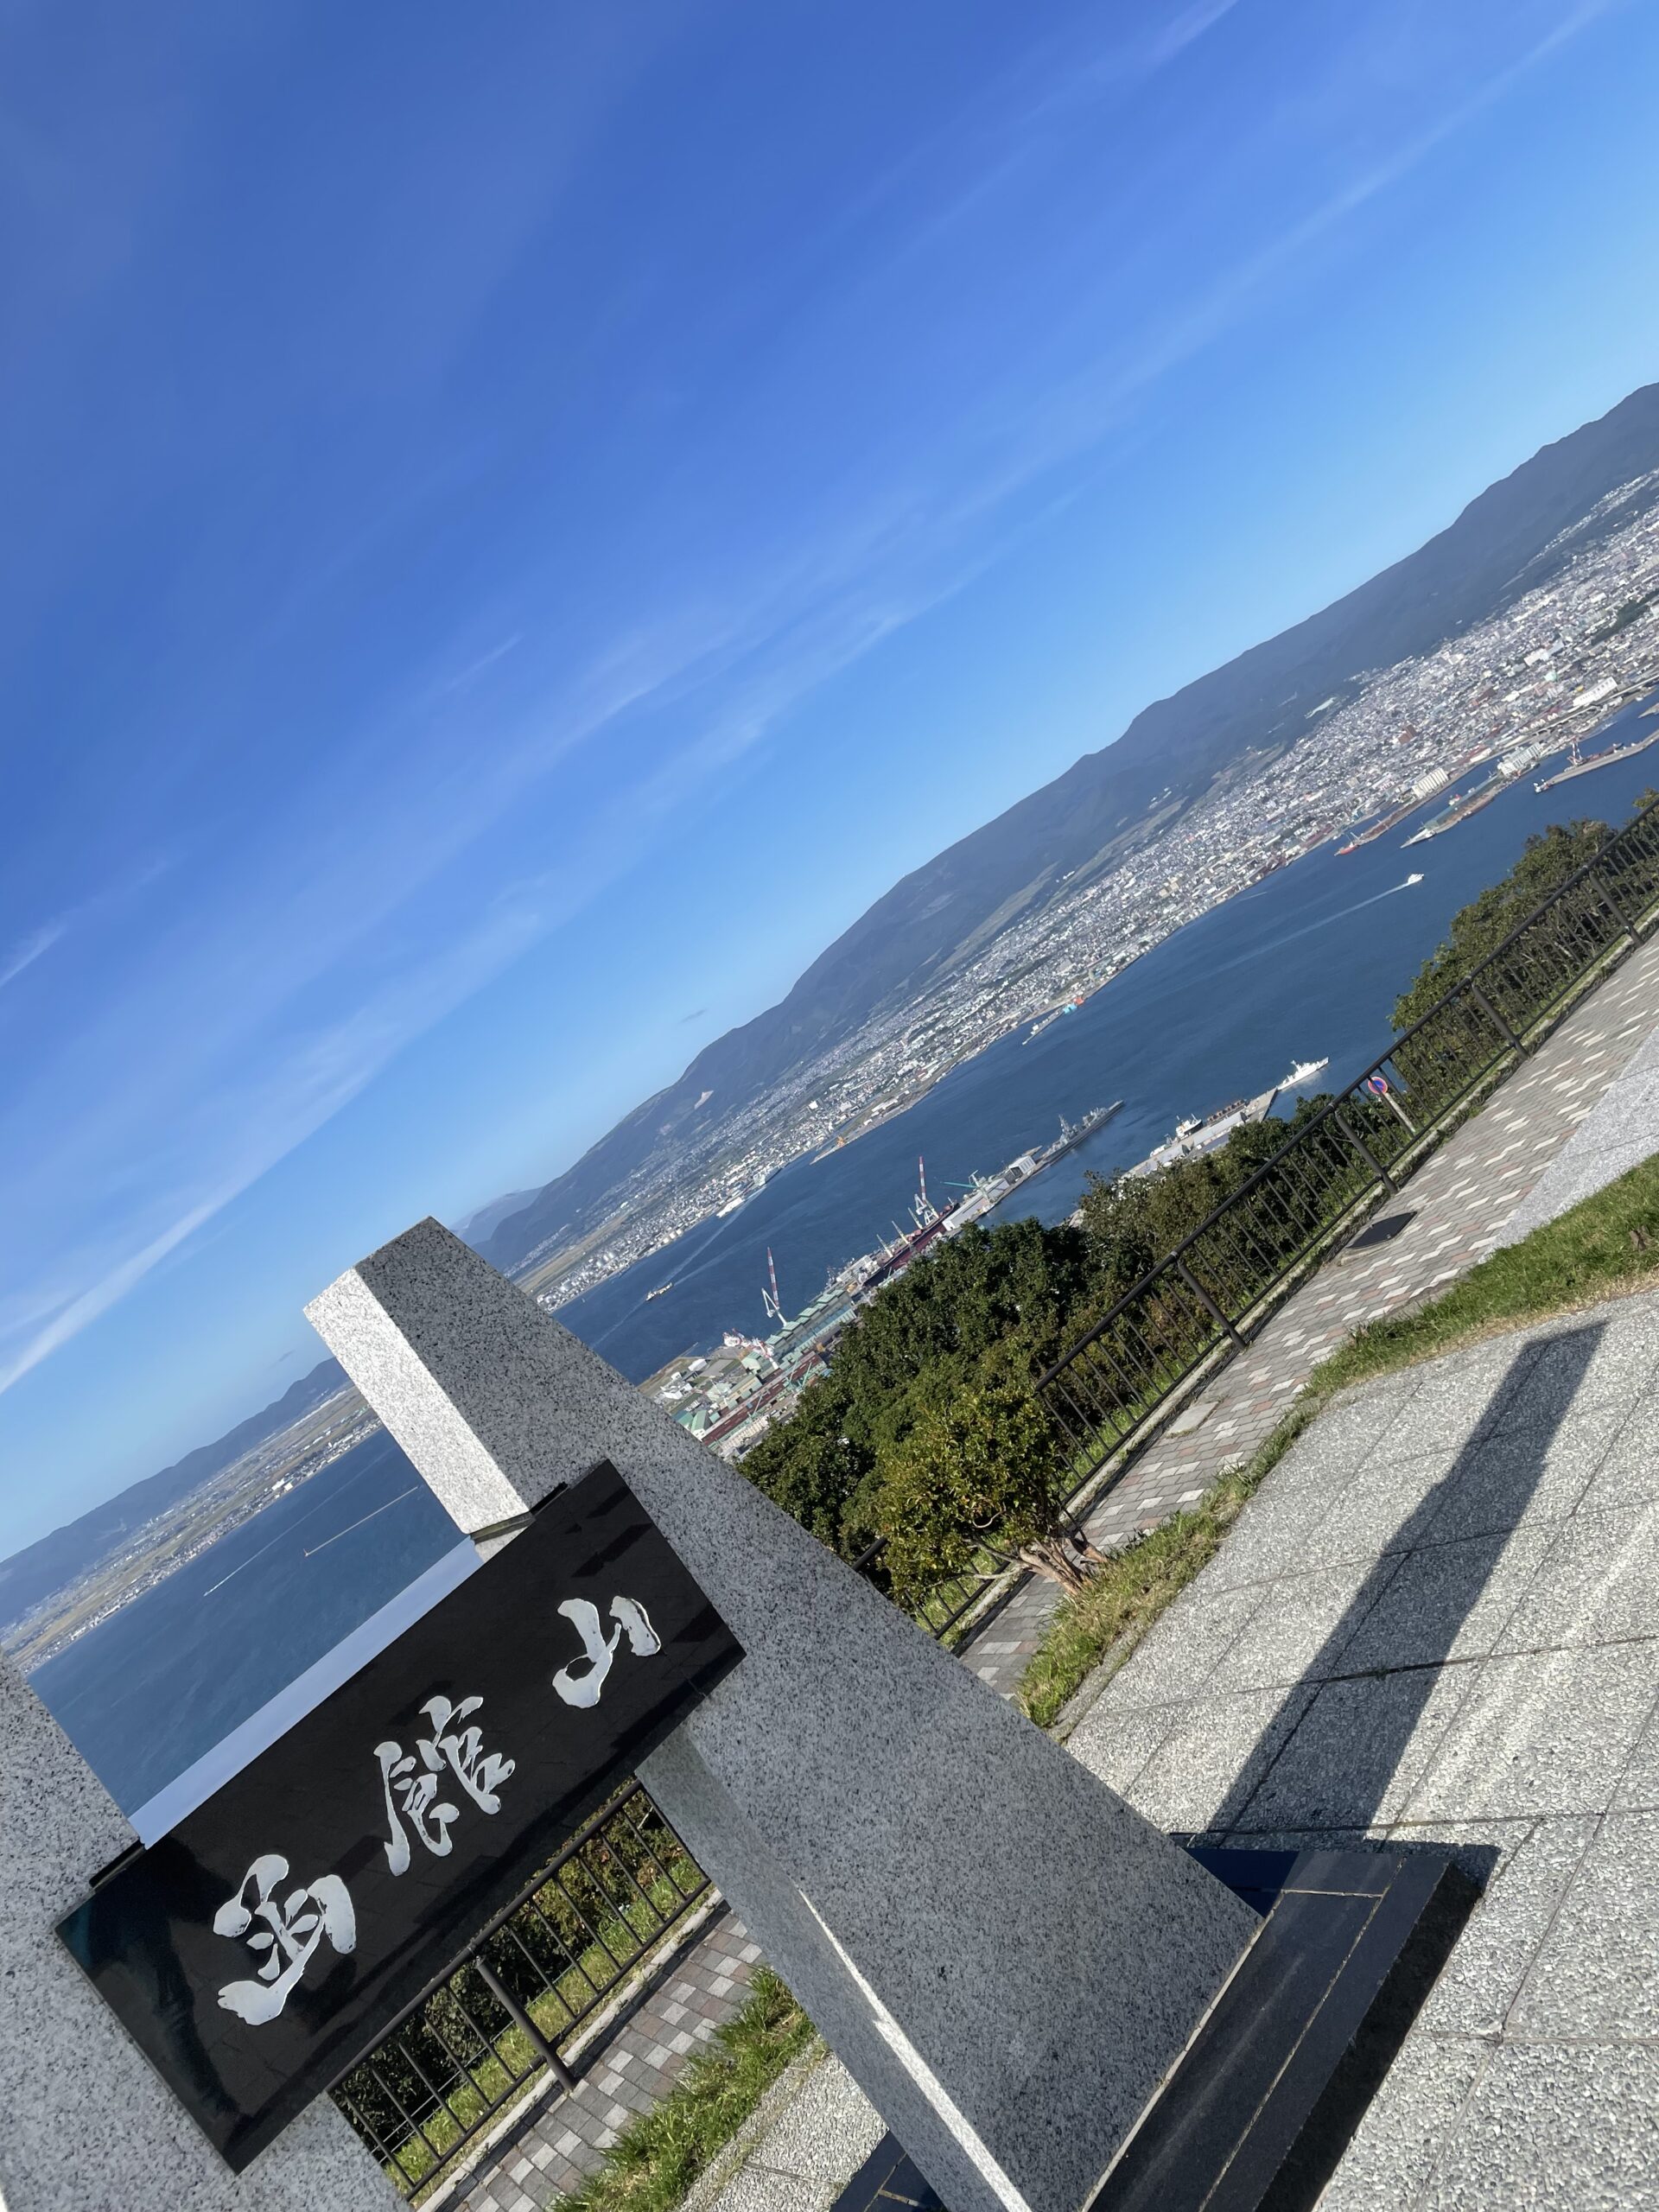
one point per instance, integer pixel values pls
(1322, 923)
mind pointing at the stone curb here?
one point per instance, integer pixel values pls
(728, 2163)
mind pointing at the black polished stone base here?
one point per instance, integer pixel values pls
(887, 2181)
(1259, 2111)
(1262, 2106)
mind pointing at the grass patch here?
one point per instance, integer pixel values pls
(657, 2157)
(1606, 1246)
(1111, 1615)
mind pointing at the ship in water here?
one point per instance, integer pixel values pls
(1304, 1070)
(661, 1291)
(1072, 1133)
(1204, 1133)
(1459, 807)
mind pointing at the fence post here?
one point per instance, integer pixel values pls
(1206, 1300)
(1400, 1115)
(521, 2019)
(1366, 1152)
(1617, 913)
(1495, 1017)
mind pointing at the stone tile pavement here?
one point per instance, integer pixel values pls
(1438, 1622)
(552, 2146)
(1462, 1198)
(1620, 1130)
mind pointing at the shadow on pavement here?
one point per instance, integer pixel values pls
(1334, 1746)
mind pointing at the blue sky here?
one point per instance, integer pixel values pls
(521, 521)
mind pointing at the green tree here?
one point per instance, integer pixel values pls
(982, 1473)
(809, 1464)
(1005, 1295)
(1547, 860)
(1130, 1225)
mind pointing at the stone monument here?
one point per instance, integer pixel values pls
(89, 2127)
(1007, 1957)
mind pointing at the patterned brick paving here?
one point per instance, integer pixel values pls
(549, 2151)
(1462, 1196)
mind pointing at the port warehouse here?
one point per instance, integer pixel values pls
(730, 1398)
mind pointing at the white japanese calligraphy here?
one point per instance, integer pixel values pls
(288, 1930)
(447, 1752)
(584, 1688)
(481, 1774)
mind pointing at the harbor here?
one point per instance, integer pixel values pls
(1587, 764)
(1565, 727)
(728, 1398)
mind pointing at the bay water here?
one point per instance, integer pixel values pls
(1305, 965)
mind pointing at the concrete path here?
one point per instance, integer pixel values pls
(552, 2145)
(1462, 1198)
(1620, 1130)
(1437, 1621)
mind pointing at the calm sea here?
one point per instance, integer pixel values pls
(1306, 966)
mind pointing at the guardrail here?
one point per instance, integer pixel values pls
(465, 2052)
(1201, 1301)
(562, 1950)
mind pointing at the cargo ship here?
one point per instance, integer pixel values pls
(1460, 809)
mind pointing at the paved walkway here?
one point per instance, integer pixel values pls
(1437, 1623)
(551, 2149)
(1620, 1130)
(1462, 1199)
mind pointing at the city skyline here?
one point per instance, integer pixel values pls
(275, 995)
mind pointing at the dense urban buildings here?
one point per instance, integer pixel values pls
(1499, 697)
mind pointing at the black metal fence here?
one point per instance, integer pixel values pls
(556, 1956)
(1200, 1302)
(463, 2054)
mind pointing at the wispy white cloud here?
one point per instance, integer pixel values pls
(81, 1311)
(27, 950)
(224, 1062)
(1185, 29)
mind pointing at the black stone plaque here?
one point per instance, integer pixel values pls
(266, 1943)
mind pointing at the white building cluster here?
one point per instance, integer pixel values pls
(1545, 667)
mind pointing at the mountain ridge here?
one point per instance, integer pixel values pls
(55, 1560)
(1499, 545)
(1505, 541)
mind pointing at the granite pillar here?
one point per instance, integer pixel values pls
(1007, 1958)
(88, 2126)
